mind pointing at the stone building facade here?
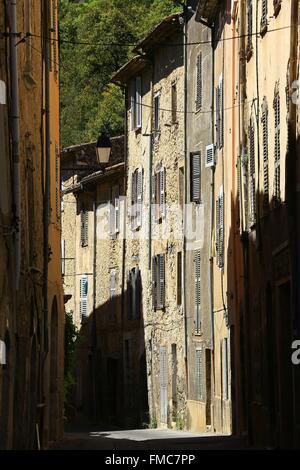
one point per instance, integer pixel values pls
(154, 84)
(31, 305)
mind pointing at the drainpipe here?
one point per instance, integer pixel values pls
(15, 130)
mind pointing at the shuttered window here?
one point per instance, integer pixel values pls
(277, 146)
(136, 199)
(252, 180)
(174, 103)
(249, 27)
(157, 113)
(199, 376)
(220, 229)
(158, 281)
(83, 297)
(136, 103)
(197, 267)
(84, 217)
(114, 215)
(199, 82)
(220, 113)
(57, 184)
(159, 194)
(196, 177)
(179, 278)
(134, 291)
(265, 141)
(264, 16)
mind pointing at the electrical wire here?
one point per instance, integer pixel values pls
(179, 111)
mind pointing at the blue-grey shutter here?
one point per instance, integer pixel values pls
(197, 267)
(265, 138)
(162, 195)
(249, 25)
(199, 376)
(163, 384)
(252, 173)
(196, 176)
(154, 282)
(83, 297)
(264, 13)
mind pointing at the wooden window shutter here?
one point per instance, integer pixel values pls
(265, 139)
(252, 173)
(154, 282)
(277, 146)
(199, 376)
(161, 263)
(196, 177)
(139, 197)
(199, 81)
(83, 297)
(84, 215)
(220, 229)
(221, 112)
(249, 25)
(117, 209)
(179, 278)
(197, 291)
(138, 102)
(264, 15)
(162, 192)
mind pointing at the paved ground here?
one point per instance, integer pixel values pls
(144, 439)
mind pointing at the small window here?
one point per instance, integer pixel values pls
(264, 17)
(157, 113)
(196, 177)
(158, 281)
(84, 218)
(136, 104)
(249, 29)
(83, 297)
(199, 83)
(159, 194)
(174, 103)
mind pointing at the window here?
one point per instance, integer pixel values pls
(174, 377)
(136, 104)
(265, 141)
(277, 6)
(83, 297)
(179, 278)
(84, 218)
(196, 177)
(199, 83)
(264, 17)
(249, 29)
(159, 193)
(158, 282)
(225, 370)
(220, 229)
(114, 214)
(197, 273)
(220, 113)
(136, 198)
(276, 106)
(63, 257)
(157, 113)
(57, 184)
(199, 376)
(252, 191)
(134, 294)
(174, 103)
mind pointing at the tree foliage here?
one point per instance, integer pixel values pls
(106, 28)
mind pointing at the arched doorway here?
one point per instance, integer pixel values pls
(53, 409)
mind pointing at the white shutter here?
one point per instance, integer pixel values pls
(210, 156)
(217, 92)
(197, 291)
(133, 199)
(2, 353)
(2, 92)
(112, 285)
(221, 111)
(138, 102)
(157, 113)
(162, 192)
(83, 297)
(132, 105)
(117, 214)
(220, 229)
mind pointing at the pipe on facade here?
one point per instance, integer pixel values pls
(15, 131)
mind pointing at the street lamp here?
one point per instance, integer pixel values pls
(103, 148)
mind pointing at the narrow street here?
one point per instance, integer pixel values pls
(146, 439)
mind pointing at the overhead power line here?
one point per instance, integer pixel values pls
(163, 44)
